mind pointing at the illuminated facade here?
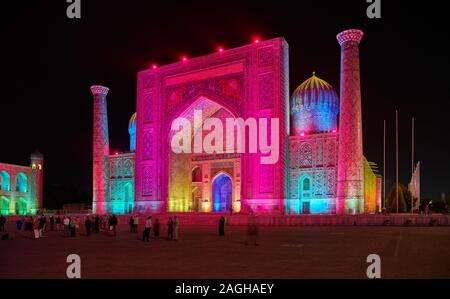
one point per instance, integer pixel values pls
(21, 187)
(241, 83)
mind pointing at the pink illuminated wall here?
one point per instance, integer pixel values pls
(350, 185)
(249, 81)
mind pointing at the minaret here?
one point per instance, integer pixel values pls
(350, 179)
(37, 170)
(101, 150)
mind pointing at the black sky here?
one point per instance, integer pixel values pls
(50, 61)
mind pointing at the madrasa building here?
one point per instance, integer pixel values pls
(320, 167)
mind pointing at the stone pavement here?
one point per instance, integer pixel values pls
(284, 252)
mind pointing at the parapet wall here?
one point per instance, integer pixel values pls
(345, 220)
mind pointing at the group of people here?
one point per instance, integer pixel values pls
(69, 225)
(173, 226)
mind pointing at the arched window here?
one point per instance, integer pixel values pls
(4, 205)
(5, 181)
(197, 174)
(305, 187)
(306, 184)
(21, 182)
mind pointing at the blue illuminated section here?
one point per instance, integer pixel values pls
(222, 193)
(132, 132)
(319, 206)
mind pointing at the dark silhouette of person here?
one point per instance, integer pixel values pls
(170, 229)
(156, 229)
(147, 228)
(88, 226)
(52, 222)
(96, 224)
(222, 226)
(112, 223)
(2, 223)
(131, 223)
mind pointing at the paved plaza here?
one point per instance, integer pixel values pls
(283, 252)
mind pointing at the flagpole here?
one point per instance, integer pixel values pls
(396, 159)
(418, 187)
(412, 161)
(384, 164)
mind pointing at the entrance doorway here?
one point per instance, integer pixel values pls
(222, 193)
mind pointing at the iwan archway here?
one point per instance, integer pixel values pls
(192, 176)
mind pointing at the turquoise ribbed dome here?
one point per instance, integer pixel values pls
(314, 107)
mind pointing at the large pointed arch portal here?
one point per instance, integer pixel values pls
(248, 82)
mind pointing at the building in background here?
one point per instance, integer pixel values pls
(21, 187)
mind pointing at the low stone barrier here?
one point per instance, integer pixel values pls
(344, 220)
(293, 220)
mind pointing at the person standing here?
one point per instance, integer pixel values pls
(131, 223)
(136, 223)
(58, 222)
(36, 225)
(41, 226)
(96, 224)
(66, 223)
(176, 227)
(52, 222)
(170, 229)
(156, 229)
(109, 224)
(222, 226)
(43, 220)
(19, 223)
(2, 223)
(72, 227)
(88, 225)
(77, 223)
(114, 223)
(147, 229)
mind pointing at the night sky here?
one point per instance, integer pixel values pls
(50, 61)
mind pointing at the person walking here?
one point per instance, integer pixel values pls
(176, 227)
(170, 229)
(88, 225)
(222, 226)
(252, 230)
(147, 229)
(156, 229)
(131, 223)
